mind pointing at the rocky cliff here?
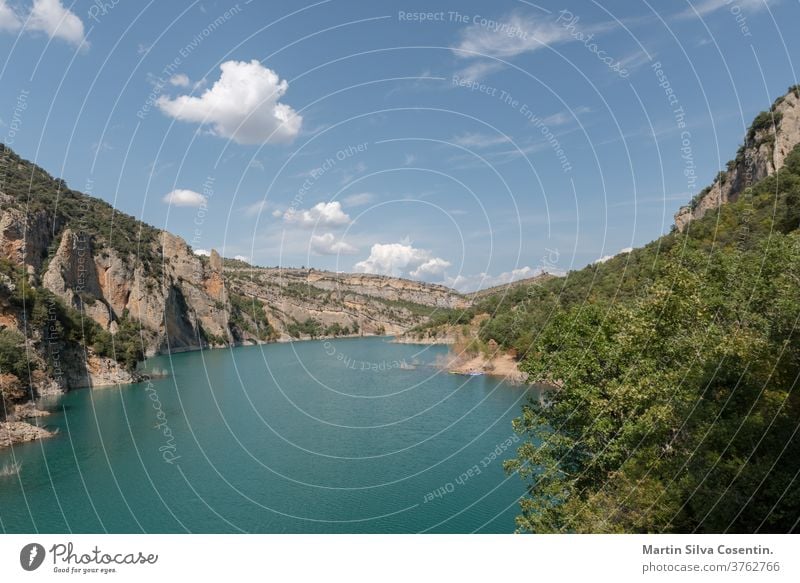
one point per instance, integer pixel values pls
(86, 292)
(770, 138)
(302, 303)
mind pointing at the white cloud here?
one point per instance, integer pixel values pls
(257, 208)
(478, 140)
(637, 58)
(180, 80)
(9, 21)
(470, 283)
(513, 35)
(328, 245)
(323, 214)
(516, 34)
(564, 117)
(202, 252)
(183, 197)
(478, 70)
(242, 258)
(242, 105)
(708, 6)
(359, 199)
(401, 260)
(605, 258)
(435, 266)
(52, 18)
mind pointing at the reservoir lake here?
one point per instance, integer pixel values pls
(357, 435)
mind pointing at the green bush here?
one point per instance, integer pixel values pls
(13, 358)
(309, 327)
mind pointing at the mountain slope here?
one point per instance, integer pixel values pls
(769, 140)
(86, 292)
(674, 371)
(734, 210)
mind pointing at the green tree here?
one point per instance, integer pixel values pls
(671, 410)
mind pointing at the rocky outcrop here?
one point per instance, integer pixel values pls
(72, 276)
(178, 308)
(196, 302)
(363, 304)
(388, 288)
(769, 140)
(25, 237)
(19, 432)
(86, 290)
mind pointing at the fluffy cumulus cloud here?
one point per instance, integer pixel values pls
(57, 21)
(243, 105)
(202, 252)
(183, 197)
(433, 267)
(328, 245)
(323, 214)
(402, 260)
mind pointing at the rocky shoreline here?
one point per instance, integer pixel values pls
(497, 363)
(17, 428)
(500, 365)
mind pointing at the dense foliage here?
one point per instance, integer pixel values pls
(308, 327)
(248, 315)
(55, 324)
(674, 367)
(39, 193)
(12, 354)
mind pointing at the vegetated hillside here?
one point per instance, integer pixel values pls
(769, 140)
(312, 303)
(518, 311)
(505, 288)
(675, 407)
(86, 292)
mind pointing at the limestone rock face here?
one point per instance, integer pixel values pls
(214, 284)
(365, 303)
(137, 282)
(72, 276)
(196, 295)
(24, 238)
(178, 307)
(389, 288)
(764, 154)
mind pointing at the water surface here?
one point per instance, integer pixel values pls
(350, 435)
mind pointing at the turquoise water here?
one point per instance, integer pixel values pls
(351, 435)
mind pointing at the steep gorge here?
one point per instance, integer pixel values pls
(87, 292)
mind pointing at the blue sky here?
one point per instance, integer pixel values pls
(457, 142)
